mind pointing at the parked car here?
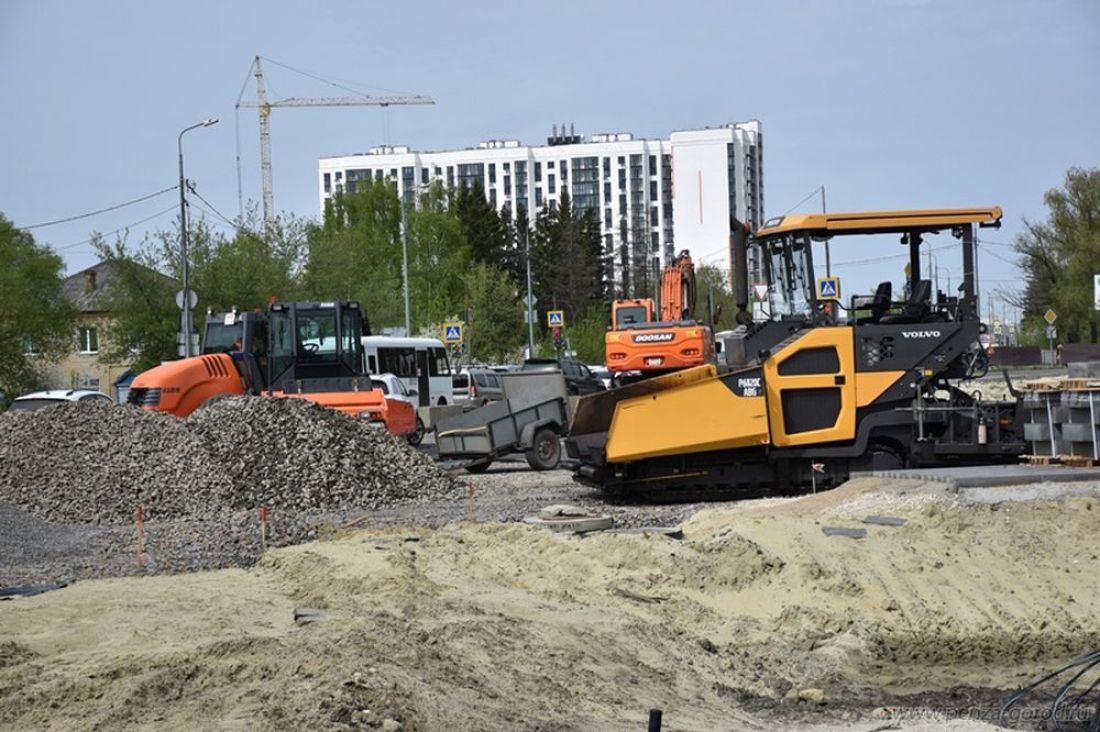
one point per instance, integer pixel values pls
(477, 385)
(394, 388)
(39, 399)
(601, 373)
(579, 379)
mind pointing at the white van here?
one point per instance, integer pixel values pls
(419, 362)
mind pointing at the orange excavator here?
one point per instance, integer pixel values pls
(639, 346)
(303, 350)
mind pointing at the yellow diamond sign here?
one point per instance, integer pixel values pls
(1050, 316)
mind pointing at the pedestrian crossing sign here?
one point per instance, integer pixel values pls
(452, 333)
(828, 288)
(555, 318)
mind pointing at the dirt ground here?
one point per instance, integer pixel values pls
(754, 619)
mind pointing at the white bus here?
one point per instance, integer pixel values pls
(420, 362)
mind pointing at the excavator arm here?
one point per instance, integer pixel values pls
(678, 289)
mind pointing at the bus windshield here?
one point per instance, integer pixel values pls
(789, 270)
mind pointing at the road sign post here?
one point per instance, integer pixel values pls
(1050, 316)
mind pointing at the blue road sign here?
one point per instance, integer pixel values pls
(555, 318)
(828, 288)
(452, 333)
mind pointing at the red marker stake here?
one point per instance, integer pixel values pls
(470, 501)
(263, 527)
(139, 519)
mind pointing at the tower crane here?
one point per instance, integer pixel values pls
(264, 106)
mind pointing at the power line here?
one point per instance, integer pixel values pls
(102, 210)
(994, 254)
(214, 209)
(216, 216)
(173, 207)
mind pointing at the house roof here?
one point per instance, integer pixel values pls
(89, 289)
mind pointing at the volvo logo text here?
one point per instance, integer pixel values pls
(654, 337)
(920, 334)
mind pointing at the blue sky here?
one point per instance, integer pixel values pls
(888, 103)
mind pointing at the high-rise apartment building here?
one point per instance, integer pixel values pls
(652, 197)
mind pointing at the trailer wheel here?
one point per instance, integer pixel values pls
(545, 452)
(415, 437)
(479, 467)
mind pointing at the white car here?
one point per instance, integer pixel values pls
(38, 399)
(394, 388)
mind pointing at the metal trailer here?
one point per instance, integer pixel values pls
(531, 418)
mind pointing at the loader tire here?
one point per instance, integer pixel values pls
(545, 452)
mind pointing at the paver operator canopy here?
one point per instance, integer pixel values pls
(785, 245)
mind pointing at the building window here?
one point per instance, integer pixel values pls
(538, 170)
(551, 184)
(652, 190)
(471, 173)
(31, 347)
(492, 173)
(538, 197)
(507, 185)
(493, 197)
(653, 165)
(653, 216)
(328, 182)
(607, 167)
(89, 340)
(424, 175)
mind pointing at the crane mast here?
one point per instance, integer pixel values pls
(264, 107)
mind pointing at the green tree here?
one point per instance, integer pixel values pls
(567, 260)
(34, 312)
(249, 269)
(439, 256)
(245, 271)
(713, 282)
(146, 322)
(1060, 257)
(355, 253)
(485, 230)
(496, 330)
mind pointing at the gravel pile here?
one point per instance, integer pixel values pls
(94, 462)
(295, 454)
(90, 462)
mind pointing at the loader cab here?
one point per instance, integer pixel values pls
(314, 341)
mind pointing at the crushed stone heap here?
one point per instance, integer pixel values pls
(292, 453)
(94, 462)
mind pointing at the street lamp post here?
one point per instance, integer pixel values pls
(530, 298)
(186, 305)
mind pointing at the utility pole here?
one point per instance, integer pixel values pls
(828, 263)
(264, 107)
(405, 266)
